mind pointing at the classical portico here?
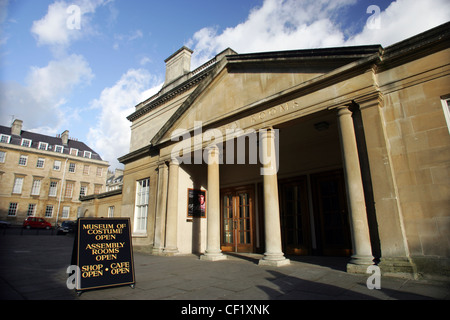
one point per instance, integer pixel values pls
(327, 156)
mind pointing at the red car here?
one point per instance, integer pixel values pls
(36, 222)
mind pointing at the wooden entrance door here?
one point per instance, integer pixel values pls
(238, 220)
(331, 214)
(295, 222)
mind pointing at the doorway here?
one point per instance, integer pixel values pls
(238, 219)
(295, 221)
(331, 214)
(314, 220)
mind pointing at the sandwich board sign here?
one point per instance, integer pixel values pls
(103, 253)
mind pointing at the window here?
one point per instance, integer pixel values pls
(111, 212)
(99, 171)
(66, 212)
(87, 154)
(40, 163)
(5, 138)
(26, 143)
(31, 209)
(12, 211)
(53, 189)
(72, 167)
(49, 211)
(59, 149)
(86, 170)
(73, 151)
(18, 183)
(83, 190)
(23, 160)
(43, 146)
(446, 107)
(140, 212)
(2, 156)
(97, 188)
(36, 188)
(69, 190)
(57, 165)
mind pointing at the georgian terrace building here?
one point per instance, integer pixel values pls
(45, 176)
(338, 151)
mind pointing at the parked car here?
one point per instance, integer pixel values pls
(4, 224)
(36, 222)
(67, 227)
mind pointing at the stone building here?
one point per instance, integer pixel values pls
(337, 151)
(45, 176)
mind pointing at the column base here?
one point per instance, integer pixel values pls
(274, 260)
(157, 251)
(359, 264)
(213, 257)
(170, 252)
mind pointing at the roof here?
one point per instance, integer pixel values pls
(51, 141)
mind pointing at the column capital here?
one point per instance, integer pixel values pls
(174, 161)
(267, 132)
(344, 110)
(212, 148)
(213, 155)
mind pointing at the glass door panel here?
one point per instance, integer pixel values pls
(237, 220)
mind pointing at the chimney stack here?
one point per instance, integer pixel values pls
(16, 128)
(65, 137)
(178, 64)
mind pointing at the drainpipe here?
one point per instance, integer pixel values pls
(61, 192)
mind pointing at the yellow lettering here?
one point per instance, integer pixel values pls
(106, 257)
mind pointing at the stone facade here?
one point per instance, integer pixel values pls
(346, 153)
(44, 176)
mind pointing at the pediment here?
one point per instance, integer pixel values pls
(231, 93)
(238, 83)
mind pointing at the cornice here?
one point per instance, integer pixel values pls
(193, 81)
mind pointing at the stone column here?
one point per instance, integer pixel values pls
(161, 207)
(172, 209)
(213, 252)
(273, 255)
(362, 250)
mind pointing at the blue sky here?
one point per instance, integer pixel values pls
(88, 79)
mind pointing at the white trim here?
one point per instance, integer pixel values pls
(446, 109)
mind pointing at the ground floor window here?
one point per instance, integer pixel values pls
(141, 206)
(65, 212)
(12, 211)
(49, 211)
(31, 209)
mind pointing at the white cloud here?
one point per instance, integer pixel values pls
(277, 25)
(292, 24)
(144, 60)
(59, 77)
(111, 135)
(41, 100)
(404, 19)
(56, 28)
